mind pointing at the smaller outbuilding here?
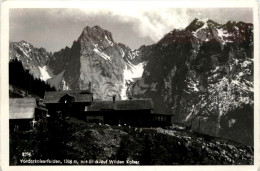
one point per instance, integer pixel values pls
(24, 112)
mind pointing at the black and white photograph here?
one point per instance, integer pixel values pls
(131, 86)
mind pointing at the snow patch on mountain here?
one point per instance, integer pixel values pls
(103, 55)
(135, 71)
(205, 26)
(44, 73)
(135, 53)
(195, 33)
(24, 52)
(224, 35)
(109, 42)
(193, 86)
(122, 52)
(131, 71)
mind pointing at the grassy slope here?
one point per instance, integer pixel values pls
(76, 139)
(152, 145)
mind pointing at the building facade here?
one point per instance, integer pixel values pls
(80, 104)
(24, 112)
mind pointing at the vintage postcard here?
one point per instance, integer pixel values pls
(127, 85)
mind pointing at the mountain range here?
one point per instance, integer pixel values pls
(202, 74)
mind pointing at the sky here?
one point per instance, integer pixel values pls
(56, 28)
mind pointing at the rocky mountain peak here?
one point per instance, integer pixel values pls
(204, 69)
(96, 58)
(96, 35)
(198, 24)
(194, 25)
(24, 44)
(34, 59)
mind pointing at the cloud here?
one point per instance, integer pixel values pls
(55, 28)
(153, 23)
(156, 22)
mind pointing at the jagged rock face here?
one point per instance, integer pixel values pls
(201, 74)
(102, 63)
(65, 65)
(95, 58)
(33, 59)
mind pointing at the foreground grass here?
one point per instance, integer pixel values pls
(77, 140)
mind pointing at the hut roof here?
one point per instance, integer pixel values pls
(79, 96)
(22, 108)
(144, 104)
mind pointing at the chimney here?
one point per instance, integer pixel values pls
(114, 98)
(90, 87)
(114, 102)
